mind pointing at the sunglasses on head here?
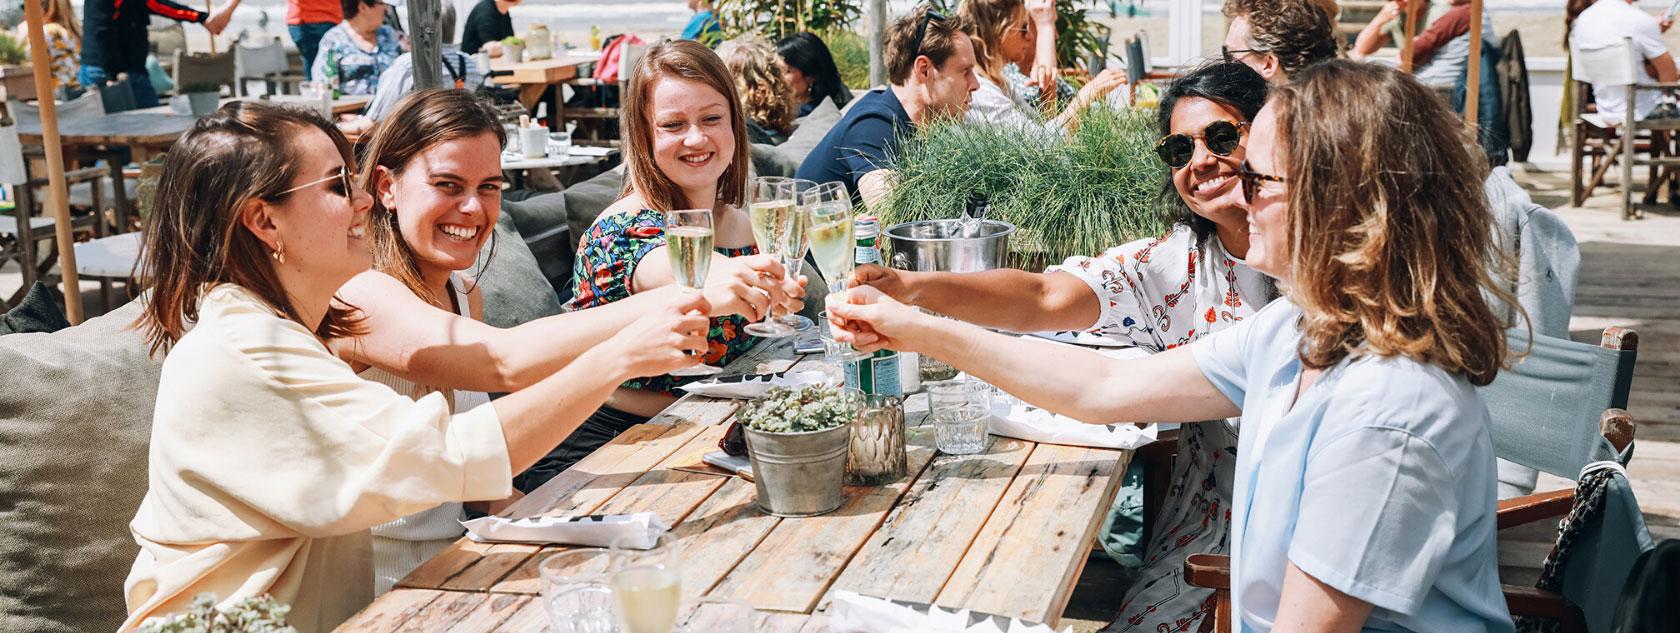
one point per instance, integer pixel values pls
(1251, 180)
(1221, 137)
(921, 32)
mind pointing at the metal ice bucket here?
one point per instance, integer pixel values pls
(939, 245)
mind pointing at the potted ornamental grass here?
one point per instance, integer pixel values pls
(202, 98)
(1068, 194)
(513, 49)
(17, 77)
(797, 439)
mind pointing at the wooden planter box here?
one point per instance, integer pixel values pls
(17, 82)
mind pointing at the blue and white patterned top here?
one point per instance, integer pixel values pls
(358, 70)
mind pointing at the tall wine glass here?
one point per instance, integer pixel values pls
(793, 253)
(832, 243)
(688, 240)
(774, 213)
(647, 584)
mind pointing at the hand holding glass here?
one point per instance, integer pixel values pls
(774, 212)
(829, 208)
(688, 241)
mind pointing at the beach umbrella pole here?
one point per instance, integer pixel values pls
(1473, 72)
(1408, 31)
(56, 190)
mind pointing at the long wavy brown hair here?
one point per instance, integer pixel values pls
(988, 21)
(418, 122)
(765, 95)
(194, 239)
(681, 59)
(1391, 243)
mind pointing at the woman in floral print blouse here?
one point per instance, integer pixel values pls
(1155, 293)
(685, 147)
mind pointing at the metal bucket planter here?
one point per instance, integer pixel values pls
(799, 474)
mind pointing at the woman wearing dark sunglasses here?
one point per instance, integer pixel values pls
(1365, 497)
(1156, 293)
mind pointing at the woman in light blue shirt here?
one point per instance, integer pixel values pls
(1365, 472)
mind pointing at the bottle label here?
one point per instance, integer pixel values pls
(876, 375)
(867, 255)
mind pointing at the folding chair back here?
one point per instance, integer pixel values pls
(118, 96)
(90, 104)
(257, 60)
(1605, 66)
(1546, 408)
(203, 69)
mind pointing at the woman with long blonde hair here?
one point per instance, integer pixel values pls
(1366, 482)
(765, 97)
(1012, 38)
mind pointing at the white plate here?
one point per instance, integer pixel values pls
(1082, 338)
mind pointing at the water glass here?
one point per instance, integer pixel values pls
(959, 410)
(575, 592)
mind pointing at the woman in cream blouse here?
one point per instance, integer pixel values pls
(270, 459)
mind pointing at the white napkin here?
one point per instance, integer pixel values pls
(586, 150)
(753, 386)
(1037, 425)
(593, 530)
(853, 613)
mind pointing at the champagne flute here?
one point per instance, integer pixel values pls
(774, 212)
(829, 206)
(688, 241)
(647, 584)
(793, 252)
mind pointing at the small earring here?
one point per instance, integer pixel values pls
(279, 255)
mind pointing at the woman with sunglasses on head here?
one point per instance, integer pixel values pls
(685, 147)
(270, 458)
(1156, 293)
(1365, 477)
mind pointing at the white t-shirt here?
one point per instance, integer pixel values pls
(1607, 23)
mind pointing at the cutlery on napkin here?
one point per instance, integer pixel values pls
(854, 613)
(595, 530)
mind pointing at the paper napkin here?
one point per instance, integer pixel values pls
(593, 530)
(1037, 425)
(753, 386)
(854, 613)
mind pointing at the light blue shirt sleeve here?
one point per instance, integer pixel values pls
(1226, 356)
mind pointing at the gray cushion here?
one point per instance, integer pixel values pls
(541, 220)
(75, 421)
(586, 200)
(38, 312)
(515, 290)
(784, 159)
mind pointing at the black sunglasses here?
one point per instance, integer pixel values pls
(1251, 180)
(921, 31)
(1221, 137)
(1230, 55)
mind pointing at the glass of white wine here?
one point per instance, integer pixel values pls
(774, 211)
(688, 241)
(793, 252)
(647, 584)
(829, 208)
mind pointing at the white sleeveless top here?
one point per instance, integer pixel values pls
(444, 521)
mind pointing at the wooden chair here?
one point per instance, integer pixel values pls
(167, 40)
(1559, 409)
(266, 62)
(30, 231)
(1629, 142)
(203, 69)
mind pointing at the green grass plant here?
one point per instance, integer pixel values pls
(1075, 194)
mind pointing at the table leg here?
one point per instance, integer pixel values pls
(529, 94)
(119, 201)
(26, 234)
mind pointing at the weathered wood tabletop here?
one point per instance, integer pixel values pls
(532, 77)
(150, 129)
(1006, 531)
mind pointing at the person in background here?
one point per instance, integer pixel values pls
(459, 71)
(1609, 22)
(685, 147)
(116, 41)
(810, 73)
(64, 42)
(1440, 53)
(1155, 293)
(703, 27)
(487, 24)
(930, 70)
(307, 21)
(1365, 476)
(358, 50)
(759, 79)
(1009, 35)
(1278, 38)
(270, 458)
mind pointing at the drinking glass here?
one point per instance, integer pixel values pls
(798, 244)
(647, 585)
(688, 240)
(774, 213)
(829, 209)
(575, 592)
(721, 615)
(958, 410)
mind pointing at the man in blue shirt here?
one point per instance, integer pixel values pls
(930, 67)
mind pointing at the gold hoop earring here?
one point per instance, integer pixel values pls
(279, 255)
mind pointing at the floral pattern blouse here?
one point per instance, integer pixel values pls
(607, 257)
(358, 70)
(64, 52)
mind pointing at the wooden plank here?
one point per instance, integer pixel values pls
(793, 566)
(446, 612)
(927, 534)
(501, 612)
(391, 610)
(719, 533)
(1028, 556)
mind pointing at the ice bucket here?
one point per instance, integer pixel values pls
(939, 245)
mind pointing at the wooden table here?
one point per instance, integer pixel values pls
(348, 104)
(1006, 531)
(533, 77)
